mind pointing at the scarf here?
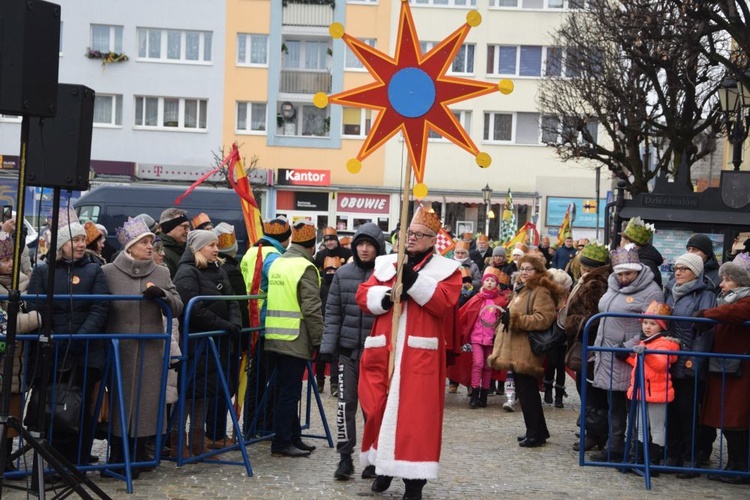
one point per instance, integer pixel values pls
(733, 295)
(489, 294)
(681, 290)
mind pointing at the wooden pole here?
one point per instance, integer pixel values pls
(396, 290)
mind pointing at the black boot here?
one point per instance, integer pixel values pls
(345, 469)
(141, 455)
(381, 484)
(474, 401)
(414, 489)
(547, 392)
(656, 453)
(559, 395)
(483, 398)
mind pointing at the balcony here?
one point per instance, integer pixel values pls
(299, 14)
(305, 82)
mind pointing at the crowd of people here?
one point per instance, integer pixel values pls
(395, 337)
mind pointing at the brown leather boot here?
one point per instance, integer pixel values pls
(173, 437)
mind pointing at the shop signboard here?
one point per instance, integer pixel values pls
(317, 202)
(363, 203)
(303, 177)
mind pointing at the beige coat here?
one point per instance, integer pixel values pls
(27, 322)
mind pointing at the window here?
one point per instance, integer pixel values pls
(498, 127)
(305, 54)
(464, 60)
(463, 117)
(446, 3)
(251, 117)
(516, 128)
(357, 121)
(539, 4)
(252, 50)
(523, 60)
(105, 38)
(10, 118)
(168, 112)
(362, 1)
(108, 109)
(303, 119)
(351, 61)
(174, 45)
(557, 131)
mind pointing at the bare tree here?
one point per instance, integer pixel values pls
(633, 69)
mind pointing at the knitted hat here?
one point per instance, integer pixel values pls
(132, 231)
(692, 262)
(483, 238)
(201, 221)
(428, 219)
(499, 251)
(625, 259)
(659, 309)
(561, 278)
(303, 233)
(518, 251)
(465, 274)
(102, 229)
(6, 245)
(227, 239)
(461, 245)
(493, 272)
(594, 255)
(67, 216)
(92, 232)
(331, 263)
(638, 232)
(702, 243)
(150, 222)
(329, 233)
(67, 233)
(199, 238)
(737, 270)
(278, 229)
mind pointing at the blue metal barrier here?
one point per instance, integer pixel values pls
(112, 375)
(640, 405)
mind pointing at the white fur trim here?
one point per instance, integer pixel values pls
(623, 268)
(375, 341)
(368, 457)
(423, 289)
(422, 342)
(385, 269)
(407, 470)
(375, 296)
(387, 437)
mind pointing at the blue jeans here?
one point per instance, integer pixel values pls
(286, 426)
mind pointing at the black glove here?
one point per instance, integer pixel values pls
(154, 292)
(622, 355)
(386, 303)
(234, 331)
(325, 357)
(408, 278)
(505, 318)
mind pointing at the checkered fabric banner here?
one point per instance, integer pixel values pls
(508, 228)
(444, 243)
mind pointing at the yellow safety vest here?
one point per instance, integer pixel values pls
(284, 316)
(247, 267)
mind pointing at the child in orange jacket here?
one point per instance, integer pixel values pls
(658, 389)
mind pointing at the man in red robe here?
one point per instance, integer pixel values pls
(404, 412)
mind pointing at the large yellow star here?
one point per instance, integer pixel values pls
(412, 93)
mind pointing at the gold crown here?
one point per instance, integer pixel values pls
(92, 232)
(279, 225)
(461, 245)
(427, 219)
(331, 262)
(500, 276)
(329, 231)
(483, 237)
(658, 308)
(200, 221)
(303, 231)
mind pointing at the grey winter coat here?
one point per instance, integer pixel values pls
(701, 296)
(613, 332)
(126, 276)
(346, 325)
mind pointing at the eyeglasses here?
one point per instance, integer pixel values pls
(526, 270)
(418, 235)
(681, 269)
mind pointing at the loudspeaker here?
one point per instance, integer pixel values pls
(29, 57)
(59, 149)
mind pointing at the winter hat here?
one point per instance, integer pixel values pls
(171, 218)
(594, 255)
(561, 278)
(6, 245)
(659, 309)
(625, 259)
(92, 232)
(132, 231)
(493, 272)
(702, 243)
(102, 230)
(303, 233)
(737, 270)
(227, 239)
(67, 233)
(277, 229)
(199, 238)
(499, 251)
(638, 232)
(201, 221)
(692, 262)
(517, 251)
(150, 222)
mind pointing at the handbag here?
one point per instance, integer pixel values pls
(544, 340)
(574, 354)
(728, 367)
(64, 412)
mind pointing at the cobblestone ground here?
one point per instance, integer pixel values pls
(480, 459)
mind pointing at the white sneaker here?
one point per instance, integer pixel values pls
(509, 405)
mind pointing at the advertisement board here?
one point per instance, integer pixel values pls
(585, 212)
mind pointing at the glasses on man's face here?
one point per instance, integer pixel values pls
(526, 270)
(681, 269)
(417, 235)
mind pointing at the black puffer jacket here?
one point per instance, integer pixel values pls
(711, 273)
(346, 325)
(650, 256)
(78, 277)
(208, 315)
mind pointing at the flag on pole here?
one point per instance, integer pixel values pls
(250, 208)
(508, 228)
(522, 235)
(566, 228)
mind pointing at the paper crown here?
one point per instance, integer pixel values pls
(427, 219)
(625, 259)
(660, 309)
(467, 235)
(331, 262)
(92, 232)
(329, 233)
(483, 237)
(496, 273)
(227, 239)
(465, 273)
(594, 253)
(276, 226)
(638, 231)
(132, 231)
(303, 233)
(201, 220)
(345, 240)
(6, 245)
(461, 245)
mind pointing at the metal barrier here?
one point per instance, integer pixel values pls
(639, 406)
(111, 378)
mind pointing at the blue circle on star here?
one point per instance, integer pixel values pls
(411, 92)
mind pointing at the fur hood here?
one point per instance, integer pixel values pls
(544, 280)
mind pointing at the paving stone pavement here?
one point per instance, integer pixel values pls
(480, 459)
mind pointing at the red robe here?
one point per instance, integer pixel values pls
(404, 425)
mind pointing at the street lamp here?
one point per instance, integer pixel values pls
(732, 99)
(487, 197)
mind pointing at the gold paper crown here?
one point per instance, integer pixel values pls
(483, 237)
(427, 219)
(92, 232)
(465, 273)
(225, 234)
(658, 308)
(329, 231)
(279, 225)
(200, 221)
(461, 245)
(500, 276)
(468, 235)
(345, 240)
(331, 262)
(303, 232)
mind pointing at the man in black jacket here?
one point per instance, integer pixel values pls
(346, 328)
